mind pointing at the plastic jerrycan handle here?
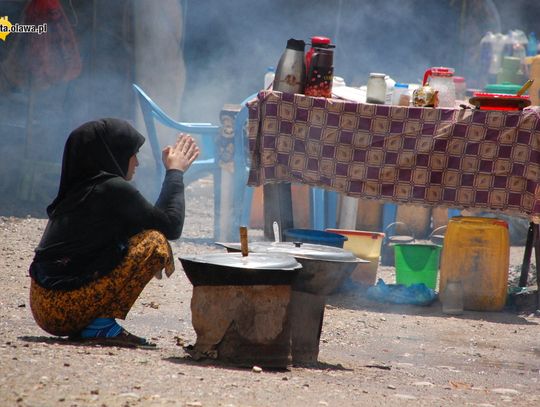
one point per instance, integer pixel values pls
(427, 74)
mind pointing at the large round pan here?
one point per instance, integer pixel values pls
(233, 269)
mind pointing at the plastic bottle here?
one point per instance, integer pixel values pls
(486, 57)
(401, 95)
(390, 83)
(519, 44)
(532, 45)
(452, 298)
(461, 87)
(269, 77)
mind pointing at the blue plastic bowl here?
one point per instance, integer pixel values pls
(314, 237)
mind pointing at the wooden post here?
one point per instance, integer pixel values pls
(278, 208)
(348, 212)
(225, 150)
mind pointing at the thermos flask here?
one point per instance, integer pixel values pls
(317, 43)
(321, 74)
(291, 69)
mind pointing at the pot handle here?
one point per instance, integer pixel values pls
(386, 236)
(244, 241)
(443, 227)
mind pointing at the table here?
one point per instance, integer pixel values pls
(451, 157)
(458, 158)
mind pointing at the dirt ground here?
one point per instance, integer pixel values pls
(371, 354)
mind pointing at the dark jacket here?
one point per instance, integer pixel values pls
(97, 210)
(89, 242)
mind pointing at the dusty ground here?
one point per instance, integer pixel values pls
(371, 354)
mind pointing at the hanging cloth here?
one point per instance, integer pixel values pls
(46, 59)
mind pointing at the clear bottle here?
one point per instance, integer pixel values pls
(269, 77)
(461, 87)
(390, 83)
(452, 298)
(486, 58)
(376, 88)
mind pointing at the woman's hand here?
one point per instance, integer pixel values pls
(181, 155)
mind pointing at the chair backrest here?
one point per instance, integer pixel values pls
(151, 111)
(206, 134)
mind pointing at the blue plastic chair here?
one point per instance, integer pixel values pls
(206, 135)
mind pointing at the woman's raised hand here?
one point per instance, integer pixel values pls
(181, 155)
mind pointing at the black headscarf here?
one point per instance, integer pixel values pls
(94, 152)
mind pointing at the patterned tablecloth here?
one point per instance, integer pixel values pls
(451, 157)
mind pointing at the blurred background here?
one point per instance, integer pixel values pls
(194, 57)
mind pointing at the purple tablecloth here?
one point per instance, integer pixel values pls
(450, 157)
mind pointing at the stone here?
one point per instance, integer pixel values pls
(505, 391)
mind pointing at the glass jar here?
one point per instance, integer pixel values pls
(376, 88)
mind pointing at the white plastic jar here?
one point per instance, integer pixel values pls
(401, 95)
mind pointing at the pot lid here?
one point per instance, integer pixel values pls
(400, 238)
(300, 250)
(254, 261)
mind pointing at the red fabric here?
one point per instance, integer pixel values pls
(49, 58)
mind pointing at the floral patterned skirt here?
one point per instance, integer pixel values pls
(66, 313)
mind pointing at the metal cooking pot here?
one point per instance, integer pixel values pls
(235, 269)
(324, 268)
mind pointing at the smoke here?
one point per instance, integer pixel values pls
(227, 46)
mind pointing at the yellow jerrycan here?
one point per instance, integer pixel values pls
(476, 252)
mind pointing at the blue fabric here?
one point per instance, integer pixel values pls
(415, 294)
(101, 328)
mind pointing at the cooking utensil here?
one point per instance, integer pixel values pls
(324, 268)
(525, 87)
(296, 249)
(277, 235)
(235, 269)
(244, 240)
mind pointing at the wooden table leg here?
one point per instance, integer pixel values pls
(527, 256)
(277, 207)
(536, 244)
